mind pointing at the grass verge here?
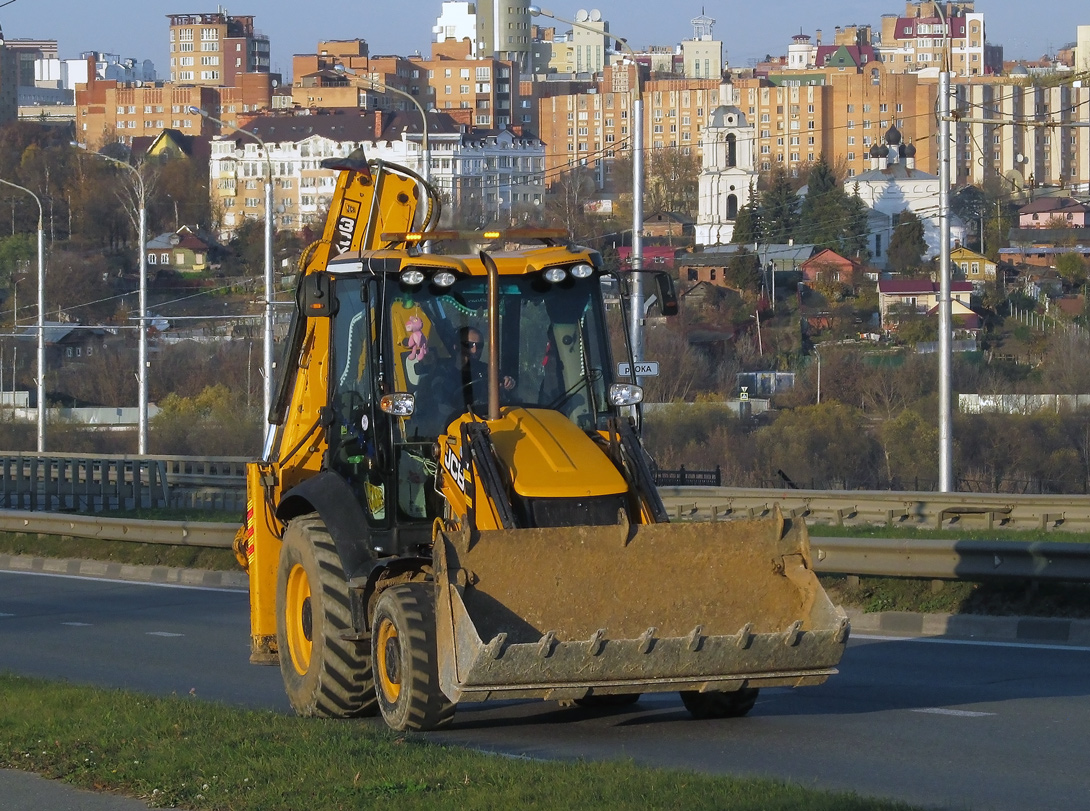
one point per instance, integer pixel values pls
(150, 554)
(186, 753)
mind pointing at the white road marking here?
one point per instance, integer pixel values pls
(162, 633)
(77, 624)
(958, 713)
(935, 640)
(6, 615)
(127, 582)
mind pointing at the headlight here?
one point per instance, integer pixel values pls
(555, 275)
(444, 278)
(582, 271)
(412, 277)
(625, 394)
(398, 404)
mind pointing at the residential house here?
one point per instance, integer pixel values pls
(1039, 247)
(829, 267)
(668, 224)
(181, 250)
(1048, 212)
(655, 257)
(974, 267)
(921, 296)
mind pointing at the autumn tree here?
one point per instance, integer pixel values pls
(779, 207)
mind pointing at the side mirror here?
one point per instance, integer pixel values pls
(316, 298)
(667, 293)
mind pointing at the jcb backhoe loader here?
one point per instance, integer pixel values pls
(454, 503)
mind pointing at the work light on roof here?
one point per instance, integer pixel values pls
(582, 271)
(412, 277)
(444, 278)
(555, 275)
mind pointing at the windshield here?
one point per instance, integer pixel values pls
(552, 349)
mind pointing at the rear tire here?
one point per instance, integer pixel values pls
(718, 704)
(405, 661)
(324, 674)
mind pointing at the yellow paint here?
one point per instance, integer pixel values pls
(296, 603)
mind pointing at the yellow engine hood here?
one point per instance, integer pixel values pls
(550, 457)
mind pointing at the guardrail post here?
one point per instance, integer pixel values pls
(35, 474)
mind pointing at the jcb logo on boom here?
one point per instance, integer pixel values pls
(346, 227)
(454, 467)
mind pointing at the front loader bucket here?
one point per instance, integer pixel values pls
(577, 611)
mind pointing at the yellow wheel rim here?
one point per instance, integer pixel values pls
(297, 611)
(389, 661)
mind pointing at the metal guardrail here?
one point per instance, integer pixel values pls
(943, 559)
(926, 510)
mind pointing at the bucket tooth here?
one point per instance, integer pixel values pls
(545, 646)
(745, 635)
(792, 634)
(596, 642)
(494, 649)
(695, 639)
(842, 630)
(647, 640)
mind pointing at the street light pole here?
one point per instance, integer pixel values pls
(637, 315)
(269, 292)
(946, 441)
(41, 319)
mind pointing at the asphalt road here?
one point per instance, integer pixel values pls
(942, 723)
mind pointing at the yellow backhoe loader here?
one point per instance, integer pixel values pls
(454, 504)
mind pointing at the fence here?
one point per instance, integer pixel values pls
(689, 478)
(100, 482)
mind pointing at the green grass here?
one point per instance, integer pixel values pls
(59, 546)
(187, 753)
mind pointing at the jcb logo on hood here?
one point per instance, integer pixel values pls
(346, 227)
(453, 466)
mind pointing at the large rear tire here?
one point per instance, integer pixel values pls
(327, 672)
(717, 704)
(405, 660)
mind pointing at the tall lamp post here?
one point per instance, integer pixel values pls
(269, 293)
(636, 327)
(41, 318)
(142, 344)
(425, 156)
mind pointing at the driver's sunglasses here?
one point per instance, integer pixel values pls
(472, 344)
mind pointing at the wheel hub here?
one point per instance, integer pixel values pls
(306, 620)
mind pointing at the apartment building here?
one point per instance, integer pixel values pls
(588, 128)
(917, 40)
(214, 50)
(108, 110)
(496, 174)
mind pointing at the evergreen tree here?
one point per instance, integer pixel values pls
(823, 216)
(747, 225)
(856, 226)
(907, 245)
(779, 208)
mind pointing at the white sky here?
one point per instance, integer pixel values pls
(748, 29)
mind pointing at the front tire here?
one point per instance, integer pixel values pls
(403, 651)
(716, 704)
(326, 672)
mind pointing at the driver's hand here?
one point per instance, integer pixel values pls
(507, 383)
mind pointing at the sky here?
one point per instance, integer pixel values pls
(140, 29)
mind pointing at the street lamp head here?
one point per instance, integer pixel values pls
(193, 110)
(538, 11)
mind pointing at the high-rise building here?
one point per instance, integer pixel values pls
(214, 49)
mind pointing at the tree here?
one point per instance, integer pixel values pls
(744, 271)
(822, 217)
(856, 227)
(779, 208)
(1072, 267)
(747, 225)
(672, 180)
(907, 246)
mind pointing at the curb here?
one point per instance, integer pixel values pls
(1040, 630)
(126, 571)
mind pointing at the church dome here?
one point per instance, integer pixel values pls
(877, 151)
(727, 116)
(893, 136)
(910, 151)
